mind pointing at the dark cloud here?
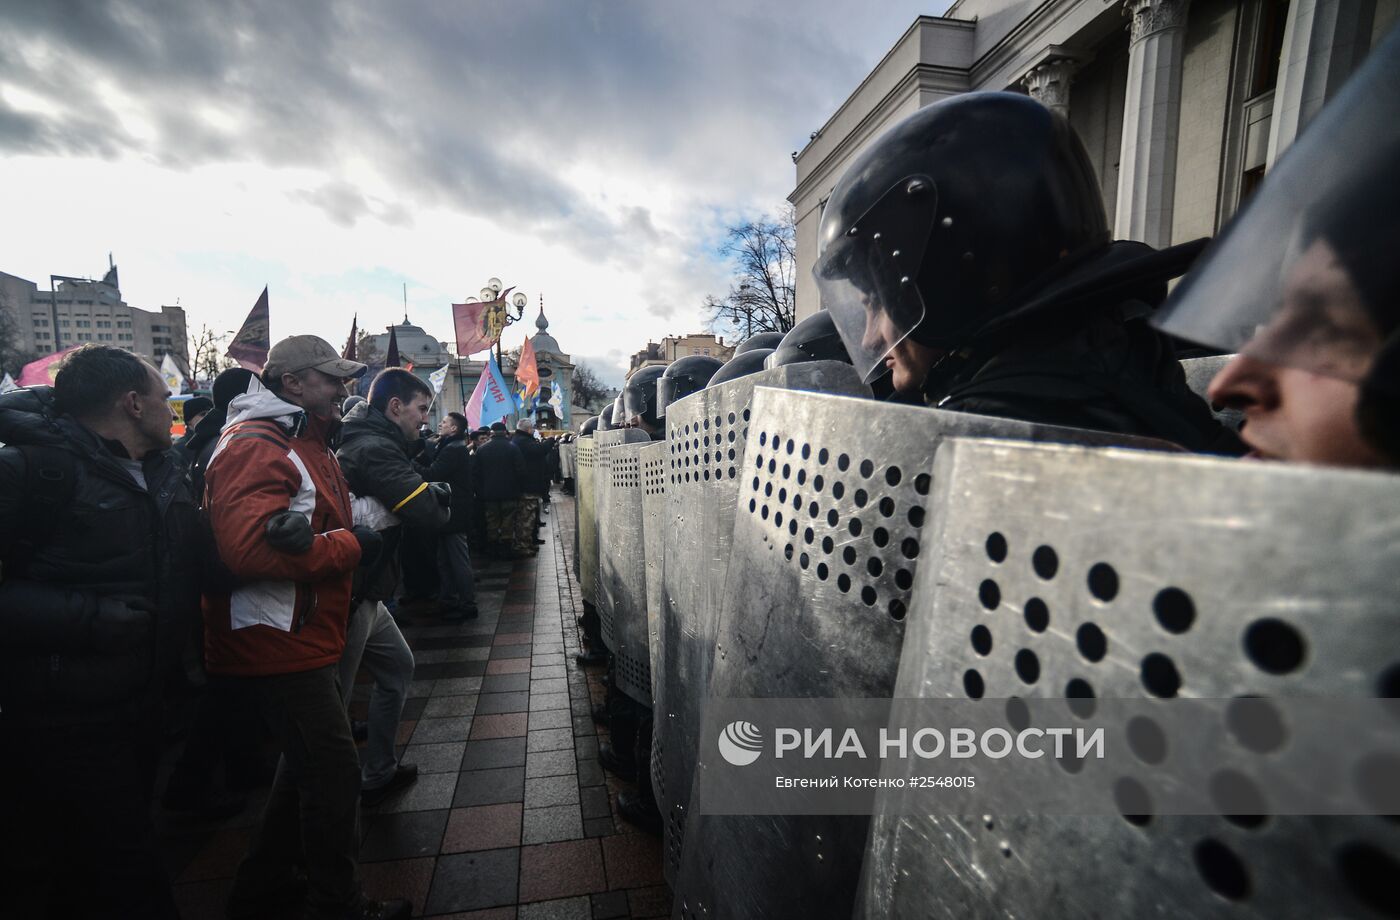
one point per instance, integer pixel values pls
(481, 107)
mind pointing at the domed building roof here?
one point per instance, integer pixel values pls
(415, 345)
(543, 341)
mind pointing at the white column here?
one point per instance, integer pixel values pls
(1049, 83)
(1151, 114)
(1323, 42)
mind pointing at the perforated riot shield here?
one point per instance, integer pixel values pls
(706, 434)
(621, 596)
(1197, 555)
(586, 520)
(834, 496)
(1199, 373)
(654, 457)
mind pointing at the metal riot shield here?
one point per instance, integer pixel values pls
(1207, 551)
(834, 496)
(615, 489)
(654, 457)
(1199, 373)
(707, 433)
(586, 520)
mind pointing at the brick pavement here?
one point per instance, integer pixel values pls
(511, 817)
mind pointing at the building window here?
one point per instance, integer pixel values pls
(1268, 38)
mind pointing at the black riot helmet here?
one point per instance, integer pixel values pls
(684, 376)
(639, 396)
(758, 340)
(813, 339)
(949, 224)
(605, 418)
(750, 362)
(588, 427)
(1307, 276)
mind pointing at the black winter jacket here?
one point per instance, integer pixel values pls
(499, 470)
(536, 456)
(452, 463)
(1089, 359)
(374, 455)
(108, 537)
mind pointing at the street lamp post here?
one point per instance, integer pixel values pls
(491, 292)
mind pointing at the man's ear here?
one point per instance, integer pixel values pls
(292, 384)
(394, 407)
(131, 403)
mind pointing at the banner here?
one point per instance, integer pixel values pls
(41, 372)
(352, 343)
(249, 347)
(438, 377)
(527, 370)
(392, 358)
(479, 325)
(491, 400)
(174, 377)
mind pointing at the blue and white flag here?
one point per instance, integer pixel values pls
(491, 400)
(438, 377)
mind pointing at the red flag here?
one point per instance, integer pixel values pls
(392, 359)
(527, 372)
(348, 352)
(41, 372)
(249, 348)
(479, 325)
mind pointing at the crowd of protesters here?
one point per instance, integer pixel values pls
(288, 515)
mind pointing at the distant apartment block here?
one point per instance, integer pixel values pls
(79, 310)
(674, 347)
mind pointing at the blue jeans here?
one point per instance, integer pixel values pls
(372, 636)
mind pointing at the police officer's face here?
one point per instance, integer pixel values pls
(1294, 414)
(909, 364)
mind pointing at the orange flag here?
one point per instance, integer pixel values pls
(527, 372)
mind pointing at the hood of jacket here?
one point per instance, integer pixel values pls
(27, 416)
(365, 421)
(262, 403)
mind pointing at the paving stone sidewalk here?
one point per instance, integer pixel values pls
(511, 817)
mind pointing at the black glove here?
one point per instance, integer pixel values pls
(371, 544)
(121, 623)
(442, 491)
(289, 532)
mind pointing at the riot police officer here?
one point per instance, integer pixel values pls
(1305, 286)
(639, 402)
(967, 253)
(750, 362)
(683, 377)
(756, 341)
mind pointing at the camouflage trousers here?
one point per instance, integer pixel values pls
(526, 519)
(505, 531)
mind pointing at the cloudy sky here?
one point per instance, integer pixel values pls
(592, 152)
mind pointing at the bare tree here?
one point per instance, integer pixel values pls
(587, 390)
(13, 356)
(366, 352)
(208, 357)
(762, 297)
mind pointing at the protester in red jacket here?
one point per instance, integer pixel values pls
(279, 509)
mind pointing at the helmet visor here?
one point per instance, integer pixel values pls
(634, 400)
(1307, 276)
(868, 276)
(667, 390)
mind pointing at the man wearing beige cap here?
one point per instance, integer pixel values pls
(275, 620)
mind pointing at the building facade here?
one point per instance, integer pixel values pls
(674, 347)
(1182, 106)
(75, 311)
